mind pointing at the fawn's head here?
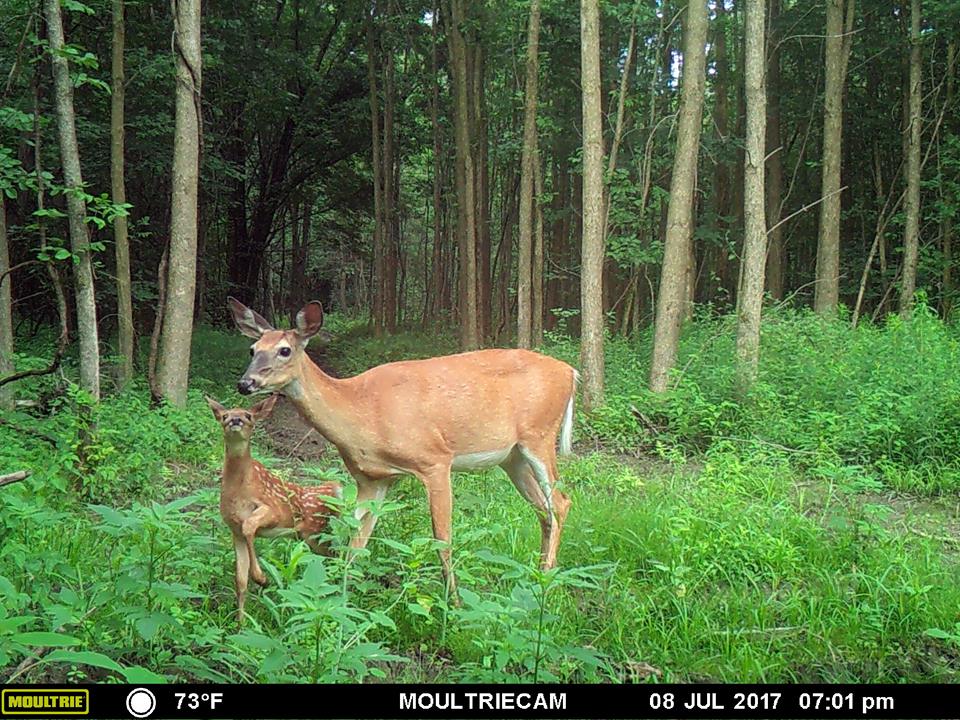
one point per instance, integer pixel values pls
(238, 423)
(276, 354)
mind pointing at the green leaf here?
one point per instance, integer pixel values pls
(399, 546)
(84, 657)
(148, 625)
(8, 624)
(256, 640)
(137, 675)
(417, 609)
(45, 639)
(940, 634)
(77, 6)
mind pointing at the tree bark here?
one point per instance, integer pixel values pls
(537, 281)
(435, 294)
(466, 176)
(388, 280)
(946, 225)
(776, 256)
(827, 286)
(911, 228)
(182, 270)
(672, 294)
(592, 253)
(527, 163)
(750, 293)
(76, 207)
(719, 282)
(121, 243)
(481, 153)
(6, 311)
(378, 203)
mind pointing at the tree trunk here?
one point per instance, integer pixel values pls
(776, 256)
(181, 276)
(672, 295)
(388, 279)
(466, 176)
(375, 163)
(124, 298)
(76, 207)
(750, 293)
(592, 254)
(827, 287)
(298, 261)
(436, 293)
(527, 160)
(537, 281)
(6, 311)
(718, 252)
(911, 228)
(946, 224)
(482, 146)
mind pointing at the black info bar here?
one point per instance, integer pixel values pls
(480, 701)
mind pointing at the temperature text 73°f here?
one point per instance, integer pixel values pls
(193, 701)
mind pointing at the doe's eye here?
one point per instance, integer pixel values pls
(251, 352)
(285, 352)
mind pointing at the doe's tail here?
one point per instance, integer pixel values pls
(566, 429)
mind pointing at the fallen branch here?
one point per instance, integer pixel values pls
(14, 477)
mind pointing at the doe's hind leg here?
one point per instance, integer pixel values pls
(533, 471)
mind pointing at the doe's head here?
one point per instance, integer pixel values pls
(238, 423)
(276, 354)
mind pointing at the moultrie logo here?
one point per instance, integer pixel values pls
(38, 702)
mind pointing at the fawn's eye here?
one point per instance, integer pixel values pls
(285, 352)
(248, 416)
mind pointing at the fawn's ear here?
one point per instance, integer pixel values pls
(262, 410)
(309, 320)
(217, 408)
(250, 323)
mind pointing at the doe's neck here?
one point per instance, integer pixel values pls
(322, 401)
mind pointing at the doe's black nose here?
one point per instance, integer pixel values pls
(245, 386)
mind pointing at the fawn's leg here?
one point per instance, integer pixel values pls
(261, 516)
(243, 572)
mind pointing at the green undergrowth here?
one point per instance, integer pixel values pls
(803, 533)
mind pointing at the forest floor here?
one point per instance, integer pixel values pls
(809, 534)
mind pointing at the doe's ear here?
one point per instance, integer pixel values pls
(310, 319)
(262, 410)
(217, 408)
(250, 323)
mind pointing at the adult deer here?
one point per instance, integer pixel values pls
(427, 418)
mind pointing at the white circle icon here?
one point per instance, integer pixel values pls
(141, 702)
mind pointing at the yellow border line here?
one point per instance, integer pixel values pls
(44, 711)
